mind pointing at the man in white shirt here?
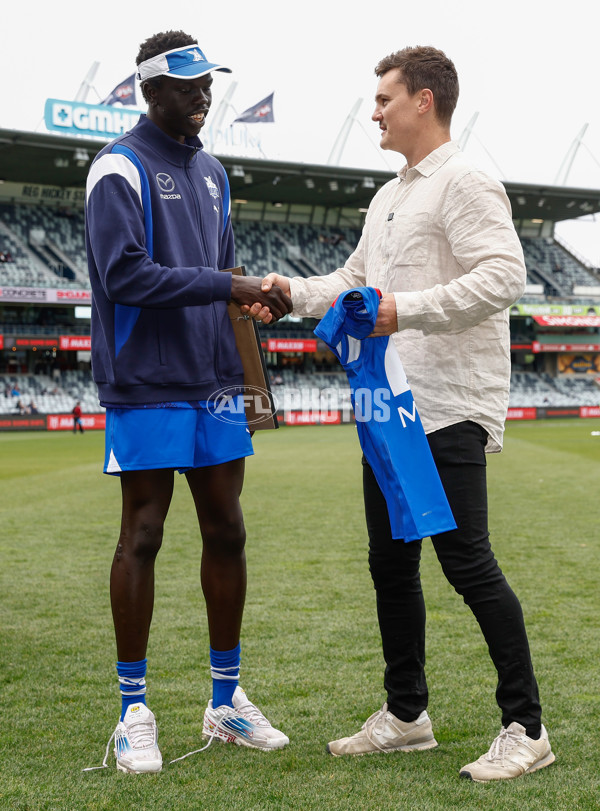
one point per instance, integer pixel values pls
(440, 244)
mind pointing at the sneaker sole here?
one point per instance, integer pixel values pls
(127, 770)
(547, 761)
(413, 747)
(225, 737)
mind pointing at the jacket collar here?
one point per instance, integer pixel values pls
(168, 147)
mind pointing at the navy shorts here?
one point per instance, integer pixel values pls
(178, 438)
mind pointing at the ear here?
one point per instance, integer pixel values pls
(425, 100)
(149, 94)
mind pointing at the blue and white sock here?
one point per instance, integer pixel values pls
(225, 672)
(132, 683)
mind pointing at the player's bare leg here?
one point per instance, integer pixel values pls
(229, 716)
(216, 491)
(146, 498)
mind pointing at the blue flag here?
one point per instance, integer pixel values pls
(123, 93)
(259, 114)
(388, 424)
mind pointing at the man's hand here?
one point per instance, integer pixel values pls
(387, 319)
(276, 279)
(257, 310)
(264, 304)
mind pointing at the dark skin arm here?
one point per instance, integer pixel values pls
(265, 305)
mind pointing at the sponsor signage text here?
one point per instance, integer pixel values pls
(49, 295)
(292, 345)
(78, 118)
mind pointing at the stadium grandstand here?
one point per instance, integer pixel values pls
(295, 219)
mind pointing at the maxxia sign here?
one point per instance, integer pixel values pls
(77, 118)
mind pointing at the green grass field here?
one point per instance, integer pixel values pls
(311, 650)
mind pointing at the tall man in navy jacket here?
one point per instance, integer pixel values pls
(158, 233)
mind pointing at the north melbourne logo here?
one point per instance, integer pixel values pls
(211, 186)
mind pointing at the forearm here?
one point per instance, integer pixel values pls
(312, 297)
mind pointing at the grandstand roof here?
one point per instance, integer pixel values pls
(58, 160)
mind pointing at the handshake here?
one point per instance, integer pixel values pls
(265, 300)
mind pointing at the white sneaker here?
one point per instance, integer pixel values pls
(511, 754)
(243, 724)
(383, 732)
(136, 737)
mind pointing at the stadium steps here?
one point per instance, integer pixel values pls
(36, 266)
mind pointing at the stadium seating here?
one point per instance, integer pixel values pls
(292, 250)
(263, 247)
(49, 395)
(553, 267)
(56, 258)
(529, 389)
(46, 248)
(315, 391)
(297, 391)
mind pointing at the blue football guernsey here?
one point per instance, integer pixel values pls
(389, 427)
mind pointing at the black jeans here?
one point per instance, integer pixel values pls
(469, 565)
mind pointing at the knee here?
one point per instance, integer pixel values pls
(225, 537)
(474, 576)
(391, 572)
(142, 542)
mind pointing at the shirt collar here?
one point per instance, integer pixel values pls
(430, 163)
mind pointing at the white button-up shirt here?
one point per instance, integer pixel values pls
(440, 237)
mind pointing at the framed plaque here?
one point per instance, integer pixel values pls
(258, 397)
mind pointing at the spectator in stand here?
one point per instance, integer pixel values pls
(77, 423)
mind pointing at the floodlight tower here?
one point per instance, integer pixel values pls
(87, 82)
(570, 157)
(340, 142)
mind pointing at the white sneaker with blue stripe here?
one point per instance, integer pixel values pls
(243, 724)
(136, 742)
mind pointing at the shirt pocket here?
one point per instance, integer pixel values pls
(407, 239)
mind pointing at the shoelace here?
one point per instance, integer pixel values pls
(370, 726)
(141, 736)
(231, 713)
(503, 745)
(252, 713)
(105, 761)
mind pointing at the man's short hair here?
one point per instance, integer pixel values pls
(426, 67)
(159, 44)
